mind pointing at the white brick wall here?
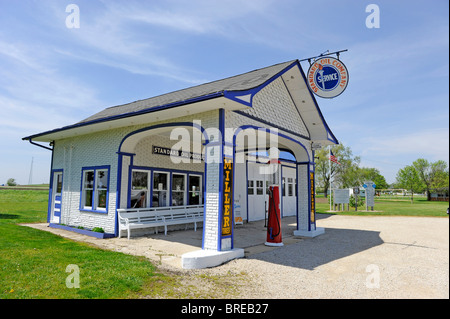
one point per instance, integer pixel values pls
(303, 197)
(236, 120)
(212, 200)
(273, 104)
(101, 149)
(144, 156)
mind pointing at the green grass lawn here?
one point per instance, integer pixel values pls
(396, 207)
(33, 263)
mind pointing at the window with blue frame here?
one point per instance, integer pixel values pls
(159, 187)
(94, 188)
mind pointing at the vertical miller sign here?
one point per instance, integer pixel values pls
(327, 77)
(227, 218)
(313, 204)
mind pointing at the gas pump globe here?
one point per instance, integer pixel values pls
(274, 173)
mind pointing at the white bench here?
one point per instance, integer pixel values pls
(134, 218)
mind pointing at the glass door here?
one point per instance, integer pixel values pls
(195, 189)
(140, 189)
(178, 189)
(160, 189)
(56, 197)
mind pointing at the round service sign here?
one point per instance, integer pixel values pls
(327, 77)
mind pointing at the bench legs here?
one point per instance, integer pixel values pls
(156, 230)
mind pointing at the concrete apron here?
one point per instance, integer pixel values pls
(182, 249)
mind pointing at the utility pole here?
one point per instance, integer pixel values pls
(30, 178)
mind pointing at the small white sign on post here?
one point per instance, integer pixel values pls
(342, 196)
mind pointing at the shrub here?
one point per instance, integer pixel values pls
(361, 201)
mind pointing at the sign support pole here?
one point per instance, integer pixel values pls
(329, 170)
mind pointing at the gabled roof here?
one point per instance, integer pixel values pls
(233, 93)
(240, 82)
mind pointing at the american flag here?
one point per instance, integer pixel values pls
(333, 158)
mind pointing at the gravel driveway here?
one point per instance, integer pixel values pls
(357, 257)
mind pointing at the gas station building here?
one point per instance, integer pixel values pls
(207, 145)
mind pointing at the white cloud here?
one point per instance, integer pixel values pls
(432, 144)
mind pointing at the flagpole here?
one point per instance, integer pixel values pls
(329, 167)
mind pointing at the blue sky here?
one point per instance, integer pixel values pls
(394, 110)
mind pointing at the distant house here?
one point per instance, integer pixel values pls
(439, 194)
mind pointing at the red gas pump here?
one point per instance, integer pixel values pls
(274, 217)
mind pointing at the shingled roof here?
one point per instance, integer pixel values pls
(237, 91)
(240, 82)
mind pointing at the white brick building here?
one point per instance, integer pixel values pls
(120, 157)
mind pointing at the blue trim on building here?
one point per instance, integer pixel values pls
(271, 125)
(220, 208)
(95, 169)
(170, 172)
(296, 108)
(118, 187)
(243, 127)
(130, 114)
(296, 190)
(149, 128)
(82, 231)
(234, 95)
(50, 193)
(172, 124)
(334, 139)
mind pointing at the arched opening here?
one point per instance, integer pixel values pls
(161, 169)
(254, 147)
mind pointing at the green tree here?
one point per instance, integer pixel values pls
(409, 179)
(343, 174)
(432, 175)
(439, 175)
(11, 182)
(374, 175)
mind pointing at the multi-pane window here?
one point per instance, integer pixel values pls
(59, 183)
(94, 192)
(259, 187)
(160, 188)
(250, 187)
(290, 186)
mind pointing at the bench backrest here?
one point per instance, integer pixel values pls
(139, 217)
(157, 213)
